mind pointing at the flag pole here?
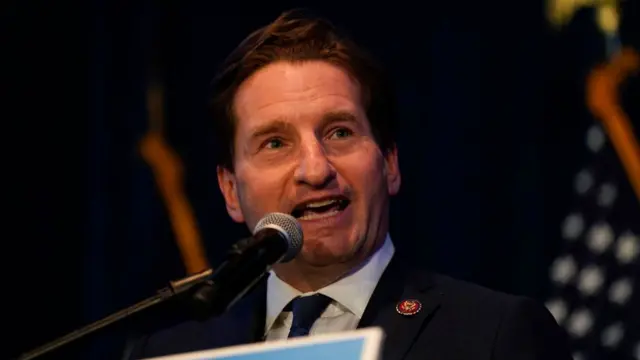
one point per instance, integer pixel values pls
(168, 172)
(602, 95)
(602, 99)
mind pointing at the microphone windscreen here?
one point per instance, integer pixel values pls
(288, 226)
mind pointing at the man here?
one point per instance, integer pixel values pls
(307, 125)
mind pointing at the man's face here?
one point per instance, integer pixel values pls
(303, 146)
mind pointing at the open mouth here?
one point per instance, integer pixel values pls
(317, 209)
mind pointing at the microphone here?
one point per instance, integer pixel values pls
(277, 238)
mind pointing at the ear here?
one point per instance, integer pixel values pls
(392, 170)
(229, 187)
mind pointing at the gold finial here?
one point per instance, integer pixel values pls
(560, 13)
(608, 18)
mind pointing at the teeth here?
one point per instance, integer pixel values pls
(312, 216)
(320, 203)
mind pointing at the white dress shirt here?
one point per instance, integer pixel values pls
(350, 297)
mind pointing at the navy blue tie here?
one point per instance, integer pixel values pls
(305, 312)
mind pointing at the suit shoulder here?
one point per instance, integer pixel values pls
(464, 295)
(466, 290)
(166, 340)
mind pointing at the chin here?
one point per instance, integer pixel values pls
(320, 254)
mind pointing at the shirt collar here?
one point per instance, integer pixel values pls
(352, 291)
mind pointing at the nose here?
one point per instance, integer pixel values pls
(314, 167)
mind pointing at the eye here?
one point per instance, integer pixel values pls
(341, 133)
(273, 143)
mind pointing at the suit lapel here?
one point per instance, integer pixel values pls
(398, 284)
(259, 312)
(243, 323)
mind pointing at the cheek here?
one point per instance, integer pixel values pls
(364, 173)
(261, 191)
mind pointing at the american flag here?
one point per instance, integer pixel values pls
(596, 281)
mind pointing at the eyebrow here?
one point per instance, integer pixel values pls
(280, 125)
(274, 126)
(338, 116)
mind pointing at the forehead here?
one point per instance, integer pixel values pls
(285, 90)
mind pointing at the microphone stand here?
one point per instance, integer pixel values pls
(198, 296)
(194, 291)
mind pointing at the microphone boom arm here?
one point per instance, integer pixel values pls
(277, 238)
(176, 289)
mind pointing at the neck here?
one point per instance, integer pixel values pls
(307, 278)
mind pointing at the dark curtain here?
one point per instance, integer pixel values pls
(484, 158)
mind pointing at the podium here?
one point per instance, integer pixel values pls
(361, 344)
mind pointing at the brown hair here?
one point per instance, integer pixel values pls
(297, 36)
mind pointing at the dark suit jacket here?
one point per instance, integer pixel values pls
(458, 321)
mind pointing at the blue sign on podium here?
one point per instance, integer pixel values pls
(361, 344)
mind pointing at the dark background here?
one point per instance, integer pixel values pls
(492, 131)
